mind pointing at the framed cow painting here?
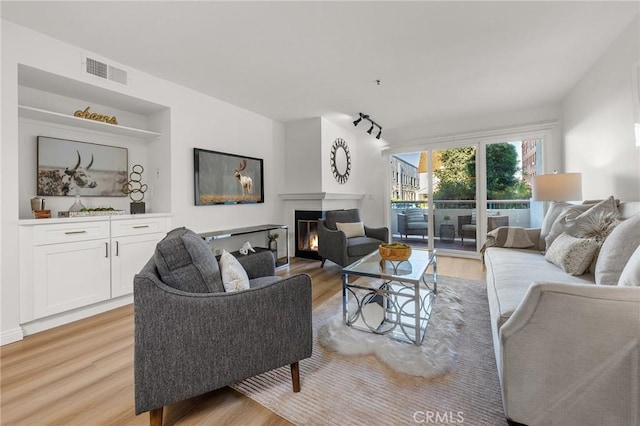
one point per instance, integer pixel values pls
(67, 167)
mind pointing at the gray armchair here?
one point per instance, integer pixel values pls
(334, 244)
(412, 222)
(191, 337)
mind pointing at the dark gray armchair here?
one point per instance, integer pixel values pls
(191, 337)
(337, 247)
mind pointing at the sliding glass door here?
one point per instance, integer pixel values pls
(450, 198)
(433, 193)
(454, 199)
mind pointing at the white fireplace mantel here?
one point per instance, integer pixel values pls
(320, 196)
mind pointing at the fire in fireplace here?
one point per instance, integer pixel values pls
(307, 233)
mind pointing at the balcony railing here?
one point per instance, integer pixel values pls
(461, 204)
(520, 212)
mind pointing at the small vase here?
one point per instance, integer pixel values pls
(273, 246)
(77, 206)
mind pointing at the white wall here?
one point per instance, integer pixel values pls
(196, 120)
(310, 184)
(303, 157)
(330, 132)
(598, 123)
(373, 180)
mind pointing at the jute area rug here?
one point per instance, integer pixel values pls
(362, 390)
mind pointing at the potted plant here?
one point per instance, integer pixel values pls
(446, 218)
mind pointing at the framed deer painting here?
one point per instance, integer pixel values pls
(67, 167)
(223, 178)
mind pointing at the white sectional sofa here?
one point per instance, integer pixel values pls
(566, 347)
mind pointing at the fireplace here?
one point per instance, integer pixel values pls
(306, 227)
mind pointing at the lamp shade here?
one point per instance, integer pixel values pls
(558, 187)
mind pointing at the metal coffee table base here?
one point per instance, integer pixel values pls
(394, 305)
(391, 310)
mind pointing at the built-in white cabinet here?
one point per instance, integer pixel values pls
(70, 264)
(70, 274)
(132, 243)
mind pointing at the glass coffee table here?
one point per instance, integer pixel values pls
(397, 298)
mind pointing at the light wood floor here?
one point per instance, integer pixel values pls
(82, 373)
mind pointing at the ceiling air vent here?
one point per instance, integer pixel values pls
(105, 71)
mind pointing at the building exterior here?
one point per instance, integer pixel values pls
(405, 181)
(529, 155)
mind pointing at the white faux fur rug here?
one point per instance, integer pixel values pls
(433, 358)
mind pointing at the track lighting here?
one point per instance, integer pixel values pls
(362, 117)
(373, 124)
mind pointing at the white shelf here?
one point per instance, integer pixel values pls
(69, 120)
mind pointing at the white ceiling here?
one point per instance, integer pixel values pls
(437, 61)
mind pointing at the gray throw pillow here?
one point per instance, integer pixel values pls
(555, 208)
(617, 250)
(572, 217)
(185, 262)
(631, 273)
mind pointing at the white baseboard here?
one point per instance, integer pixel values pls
(75, 315)
(11, 336)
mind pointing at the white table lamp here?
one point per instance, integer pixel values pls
(557, 187)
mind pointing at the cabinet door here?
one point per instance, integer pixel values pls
(70, 275)
(129, 255)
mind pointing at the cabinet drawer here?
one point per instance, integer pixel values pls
(127, 227)
(70, 232)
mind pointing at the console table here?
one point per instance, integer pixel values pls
(281, 261)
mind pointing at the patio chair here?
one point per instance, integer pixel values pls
(412, 222)
(467, 225)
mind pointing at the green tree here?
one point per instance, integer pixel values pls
(458, 170)
(454, 180)
(502, 166)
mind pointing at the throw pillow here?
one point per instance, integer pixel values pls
(185, 262)
(572, 254)
(597, 226)
(509, 236)
(630, 275)
(354, 229)
(571, 217)
(616, 251)
(555, 208)
(560, 225)
(234, 277)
